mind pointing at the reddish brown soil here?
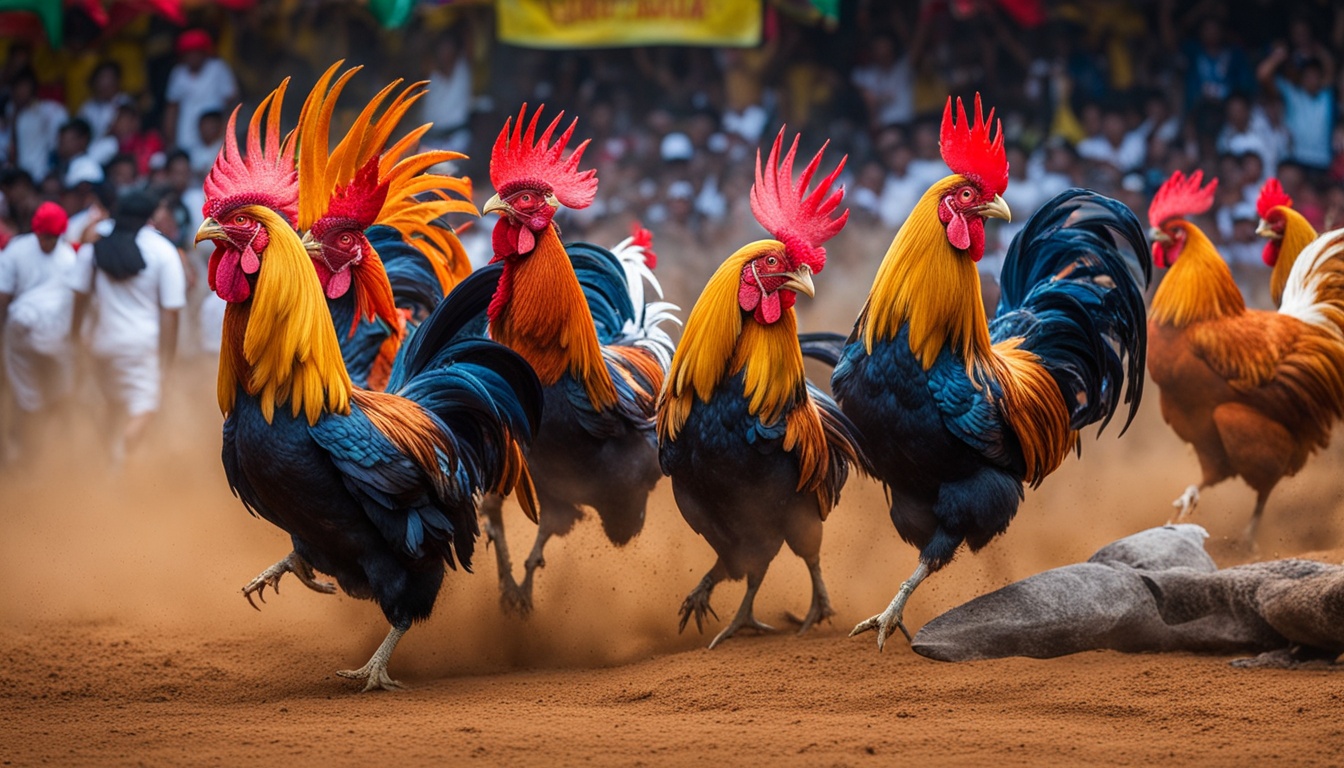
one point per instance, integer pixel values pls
(124, 639)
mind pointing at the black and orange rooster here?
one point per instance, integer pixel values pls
(956, 414)
(370, 216)
(376, 489)
(567, 310)
(1255, 392)
(1286, 231)
(756, 453)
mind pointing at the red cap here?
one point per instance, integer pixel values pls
(195, 40)
(49, 219)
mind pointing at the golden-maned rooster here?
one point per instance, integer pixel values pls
(1287, 231)
(757, 455)
(956, 414)
(376, 489)
(1254, 392)
(577, 313)
(371, 220)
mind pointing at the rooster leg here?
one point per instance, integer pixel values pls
(374, 673)
(510, 596)
(1249, 536)
(821, 609)
(744, 617)
(697, 602)
(292, 563)
(1185, 504)
(884, 621)
(535, 560)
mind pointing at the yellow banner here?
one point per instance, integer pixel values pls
(619, 23)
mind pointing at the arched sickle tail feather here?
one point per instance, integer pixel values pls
(1072, 289)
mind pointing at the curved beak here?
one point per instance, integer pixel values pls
(1158, 236)
(496, 205)
(800, 280)
(209, 230)
(1265, 230)
(996, 209)
(312, 246)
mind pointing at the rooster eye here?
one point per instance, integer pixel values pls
(772, 261)
(240, 220)
(966, 195)
(525, 199)
(345, 239)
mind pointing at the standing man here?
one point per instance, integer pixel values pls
(199, 83)
(35, 306)
(137, 276)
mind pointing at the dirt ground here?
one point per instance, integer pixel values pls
(125, 640)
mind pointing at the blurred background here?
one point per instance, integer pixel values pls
(101, 95)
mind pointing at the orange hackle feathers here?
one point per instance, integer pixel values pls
(289, 351)
(1271, 196)
(520, 157)
(265, 176)
(974, 150)
(1199, 285)
(799, 219)
(552, 328)
(1180, 196)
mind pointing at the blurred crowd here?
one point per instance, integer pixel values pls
(1106, 94)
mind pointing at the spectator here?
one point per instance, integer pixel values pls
(1215, 69)
(447, 104)
(1308, 106)
(21, 199)
(1240, 136)
(35, 123)
(35, 307)
(887, 81)
(200, 82)
(72, 146)
(105, 97)
(1113, 144)
(211, 128)
(137, 277)
(144, 145)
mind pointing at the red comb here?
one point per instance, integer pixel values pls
(798, 219)
(266, 176)
(362, 199)
(1181, 195)
(1271, 197)
(644, 239)
(519, 157)
(971, 151)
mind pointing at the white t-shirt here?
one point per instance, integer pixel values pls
(35, 130)
(128, 310)
(892, 90)
(37, 281)
(197, 93)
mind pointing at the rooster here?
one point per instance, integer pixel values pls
(956, 414)
(379, 253)
(567, 309)
(1254, 392)
(757, 455)
(376, 489)
(1287, 232)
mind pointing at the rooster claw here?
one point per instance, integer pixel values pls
(292, 563)
(1185, 504)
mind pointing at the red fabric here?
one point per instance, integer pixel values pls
(49, 219)
(195, 40)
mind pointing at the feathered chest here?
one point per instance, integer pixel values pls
(540, 312)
